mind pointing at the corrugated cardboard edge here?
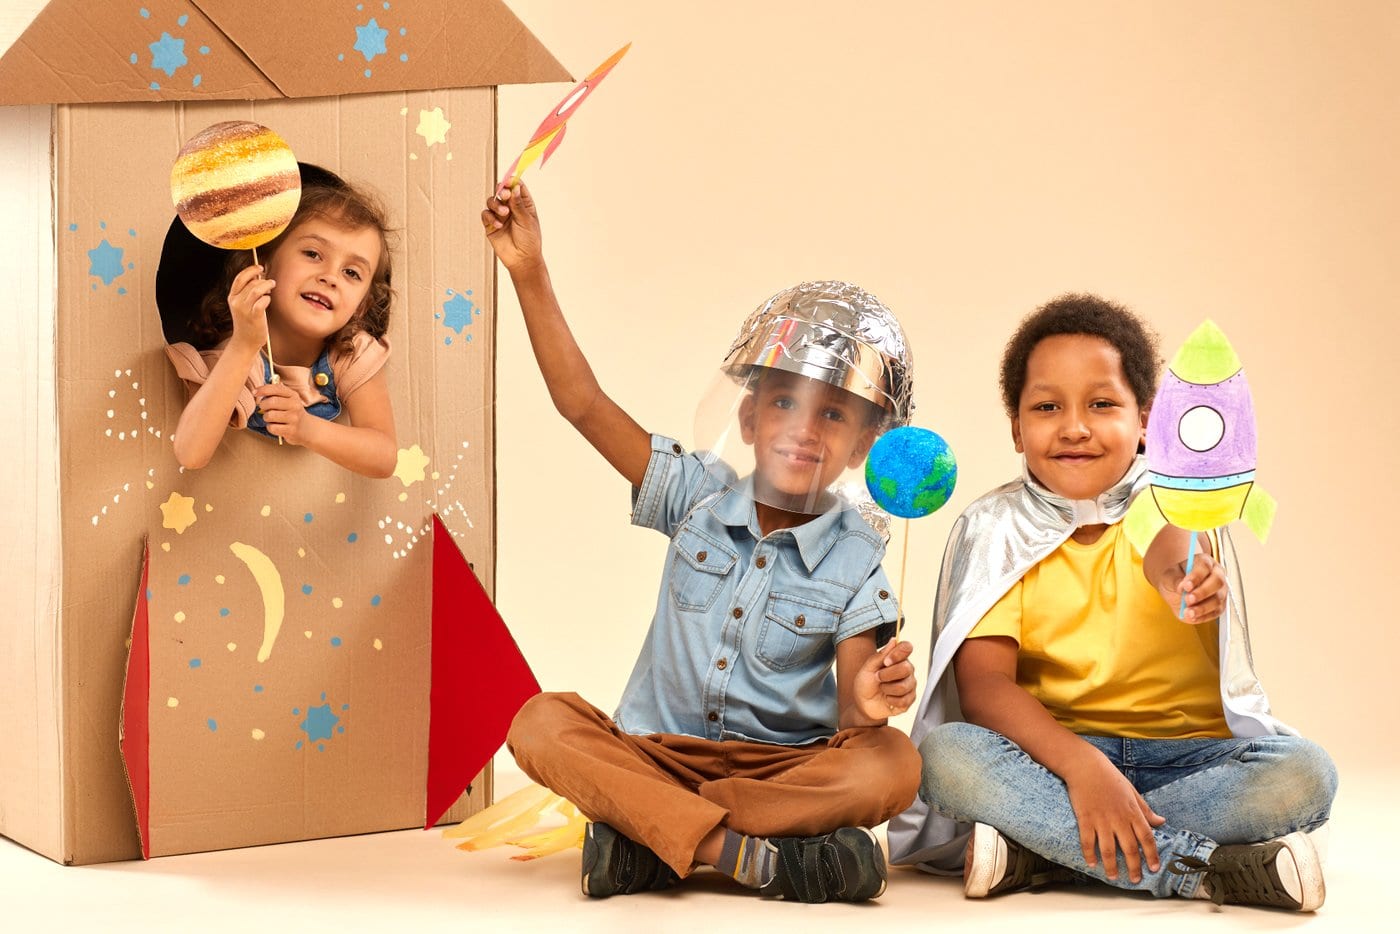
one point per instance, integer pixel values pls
(134, 729)
(69, 53)
(31, 701)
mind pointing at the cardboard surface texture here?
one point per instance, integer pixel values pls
(258, 732)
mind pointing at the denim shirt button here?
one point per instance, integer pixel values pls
(738, 612)
(712, 716)
(800, 621)
(884, 595)
(760, 562)
(675, 449)
(722, 664)
(322, 379)
(701, 556)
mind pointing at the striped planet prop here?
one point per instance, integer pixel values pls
(235, 185)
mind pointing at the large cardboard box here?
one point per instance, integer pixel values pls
(258, 733)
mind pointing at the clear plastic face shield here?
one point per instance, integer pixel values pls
(816, 374)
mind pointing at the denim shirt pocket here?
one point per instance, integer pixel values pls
(699, 566)
(795, 632)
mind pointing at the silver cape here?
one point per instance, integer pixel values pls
(992, 544)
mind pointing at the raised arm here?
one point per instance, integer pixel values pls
(206, 416)
(513, 229)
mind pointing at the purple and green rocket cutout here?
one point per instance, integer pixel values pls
(1201, 449)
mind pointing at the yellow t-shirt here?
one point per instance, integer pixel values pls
(1102, 651)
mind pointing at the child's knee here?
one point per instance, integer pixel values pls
(538, 720)
(954, 762)
(1307, 775)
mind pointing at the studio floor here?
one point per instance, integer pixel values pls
(417, 881)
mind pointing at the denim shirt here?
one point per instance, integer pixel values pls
(744, 635)
(328, 409)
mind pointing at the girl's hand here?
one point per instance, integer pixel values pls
(284, 412)
(513, 228)
(248, 299)
(1112, 817)
(1204, 589)
(886, 684)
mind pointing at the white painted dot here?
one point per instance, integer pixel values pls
(378, 645)
(180, 616)
(258, 734)
(218, 578)
(265, 511)
(172, 702)
(232, 646)
(111, 394)
(388, 539)
(111, 412)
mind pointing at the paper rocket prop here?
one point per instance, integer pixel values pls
(550, 133)
(1201, 446)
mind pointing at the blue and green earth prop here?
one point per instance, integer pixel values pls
(910, 472)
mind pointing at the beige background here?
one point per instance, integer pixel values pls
(966, 162)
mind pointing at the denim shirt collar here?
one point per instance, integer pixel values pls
(814, 538)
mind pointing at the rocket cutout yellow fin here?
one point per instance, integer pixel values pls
(549, 134)
(1201, 449)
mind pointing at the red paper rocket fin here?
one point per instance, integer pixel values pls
(479, 678)
(135, 727)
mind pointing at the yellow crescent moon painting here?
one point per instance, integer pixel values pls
(273, 596)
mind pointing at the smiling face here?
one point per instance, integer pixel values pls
(1078, 422)
(804, 434)
(323, 273)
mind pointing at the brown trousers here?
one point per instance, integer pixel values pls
(669, 791)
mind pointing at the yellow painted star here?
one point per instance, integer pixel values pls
(433, 126)
(178, 513)
(411, 465)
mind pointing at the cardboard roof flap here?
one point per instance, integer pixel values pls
(75, 51)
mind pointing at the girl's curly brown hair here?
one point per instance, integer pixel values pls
(343, 205)
(1082, 313)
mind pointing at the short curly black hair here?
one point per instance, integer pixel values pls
(1082, 313)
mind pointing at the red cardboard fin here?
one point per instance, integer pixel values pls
(479, 678)
(135, 726)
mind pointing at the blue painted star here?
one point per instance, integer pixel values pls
(106, 262)
(457, 312)
(369, 40)
(319, 723)
(168, 54)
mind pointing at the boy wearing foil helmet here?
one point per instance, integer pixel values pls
(734, 745)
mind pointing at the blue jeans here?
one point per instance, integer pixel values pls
(1211, 791)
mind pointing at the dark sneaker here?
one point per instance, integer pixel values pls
(995, 865)
(1283, 873)
(615, 865)
(846, 865)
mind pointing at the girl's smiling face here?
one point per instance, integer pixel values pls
(1078, 422)
(323, 273)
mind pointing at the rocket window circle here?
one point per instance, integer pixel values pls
(1201, 428)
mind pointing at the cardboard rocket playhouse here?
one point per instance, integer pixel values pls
(297, 665)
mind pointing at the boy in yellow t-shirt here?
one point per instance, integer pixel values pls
(1102, 738)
